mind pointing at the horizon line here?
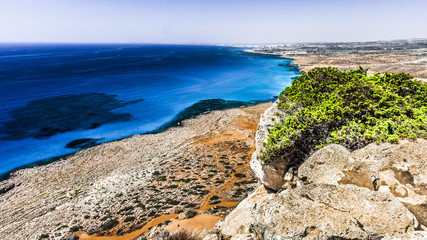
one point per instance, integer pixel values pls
(199, 43)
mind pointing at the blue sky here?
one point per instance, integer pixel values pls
(214, 21)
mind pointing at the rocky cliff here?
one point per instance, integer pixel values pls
(377, 192)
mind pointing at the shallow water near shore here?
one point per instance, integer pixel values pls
(57, 99)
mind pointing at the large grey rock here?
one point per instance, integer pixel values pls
(271, 175)
(163, 235)
(377, 191)
(401, 169)
(319, 210)
(334, 164)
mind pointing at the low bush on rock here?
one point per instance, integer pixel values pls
(129, 219)
(326, 105)
(110, 224)
(44, 236)
(181, 235)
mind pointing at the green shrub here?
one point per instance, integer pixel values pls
(129, 219)
(161, 178)
(191, 205)
(75, 228)
(172, 202)
(126, 209)
(43, 236)
(326, 105)
(214, 197)
(110, 224)
(240, 175)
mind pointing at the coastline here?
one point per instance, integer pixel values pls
(135, 170)
(90, 187)
(379, 57)
(201, 107)
(127, 100)
(116, 180)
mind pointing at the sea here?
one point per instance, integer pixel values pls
(56, 99)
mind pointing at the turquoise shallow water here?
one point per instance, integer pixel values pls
(56, 99)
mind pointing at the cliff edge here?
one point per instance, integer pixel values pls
(340, 155)
(377, 192)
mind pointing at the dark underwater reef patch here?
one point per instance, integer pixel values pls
(46, 117)
(82, 143)
(206, 106)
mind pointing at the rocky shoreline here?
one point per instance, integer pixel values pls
(377, 192)
(117, 188)
(145, 186)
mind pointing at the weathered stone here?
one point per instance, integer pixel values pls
(333, 164)
(319, 210)
(419, 211)
(209, 234)
(401, 170)
(187, 214)
(70, 236)
(211, 237)
(271, 175)
(163, 235)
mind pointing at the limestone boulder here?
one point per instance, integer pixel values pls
(314, 210)
(334, 164)
(400, 169)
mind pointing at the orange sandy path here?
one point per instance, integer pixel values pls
(193, 224)
(129, 236)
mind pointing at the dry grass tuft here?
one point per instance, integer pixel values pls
(182, 235)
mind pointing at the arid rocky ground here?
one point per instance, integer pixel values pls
(409, 56)
(131, 185)
(141, 185)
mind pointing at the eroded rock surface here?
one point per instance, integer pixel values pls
(400, 169)
(375, 192)
(271, 175)
(319, 210)
(334, 164)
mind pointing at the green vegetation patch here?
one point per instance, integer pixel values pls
(43, 236)
(110, 224)
(129, 219)
(326, 105)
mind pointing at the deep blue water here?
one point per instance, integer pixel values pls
(51, 95)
